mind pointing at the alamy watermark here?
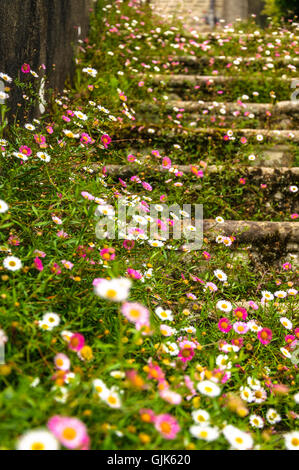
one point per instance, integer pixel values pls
(152, 222)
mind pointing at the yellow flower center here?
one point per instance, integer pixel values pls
(37, 446)
(165, 427)
(69, 434)
(111, 293)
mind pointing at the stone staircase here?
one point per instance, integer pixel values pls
(207, 122)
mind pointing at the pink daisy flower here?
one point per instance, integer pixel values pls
(167, 425)
(76, 342)
(71, 432)
(241, 327)
(224, 325)
(265, 336)
(135, 313)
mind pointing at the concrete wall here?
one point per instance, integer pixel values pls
(40, 32)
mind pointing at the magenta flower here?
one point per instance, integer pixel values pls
(25, 68)
(265, 336)
(38, 264)
(105, 139)
(224, 325)
(76, 342)
(25, 150)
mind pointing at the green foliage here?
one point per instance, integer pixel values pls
(279, 9)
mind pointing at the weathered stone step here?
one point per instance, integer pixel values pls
(261, 172)
(180, 80)
(170, 134)
(285, 35)
(281, 107)
(200, 60)
(248, 231)
(284, 114)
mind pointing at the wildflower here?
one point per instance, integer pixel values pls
(292, 440)
(25, 68)
(51, 319)
(71, 432)
(37, 439)
(5, 77)
(224, 306)
(43, 156)
(256, 421)
(135, 312)
(224, 325)
(112, 398)
(171, 397)
(167, 425)
(201, 416)
(286, 323)
(265, 335)
(90, 71)
(108, 254)
(80, 115)
(116, 290)
(272, 416)
(186, 353)
(38, 264)
(25, 150)
(238, 439)
(164, 314)
(240, 313)
(207, 433)
(206, 387)
(246, 394)
(241, 327)
(12, 263)
(147, 415)
(76, 342)
(62, 362)
(220, 275)
(3, 207)
(106, 140)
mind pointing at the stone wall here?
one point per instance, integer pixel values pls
(41, 32)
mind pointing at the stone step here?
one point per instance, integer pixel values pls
(200, 60)
(261, 135)
(252, 171)
(281, 107)
(180, 80)
(284, 114)
(247, 231)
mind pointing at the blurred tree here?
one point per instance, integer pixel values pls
(278, 9)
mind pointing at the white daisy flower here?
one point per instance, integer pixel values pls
(164, 314)
(224, 306)
(43, 156)
(37, 439)
(256, 421)
(286, 323)
(220, 275)
(201, 416)
(238, 439)
(207, 433)
(52, 319)
(292, 440)
(12, 263)
(3, 206)
(116, 290)
(206, 387)
(272, 416)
